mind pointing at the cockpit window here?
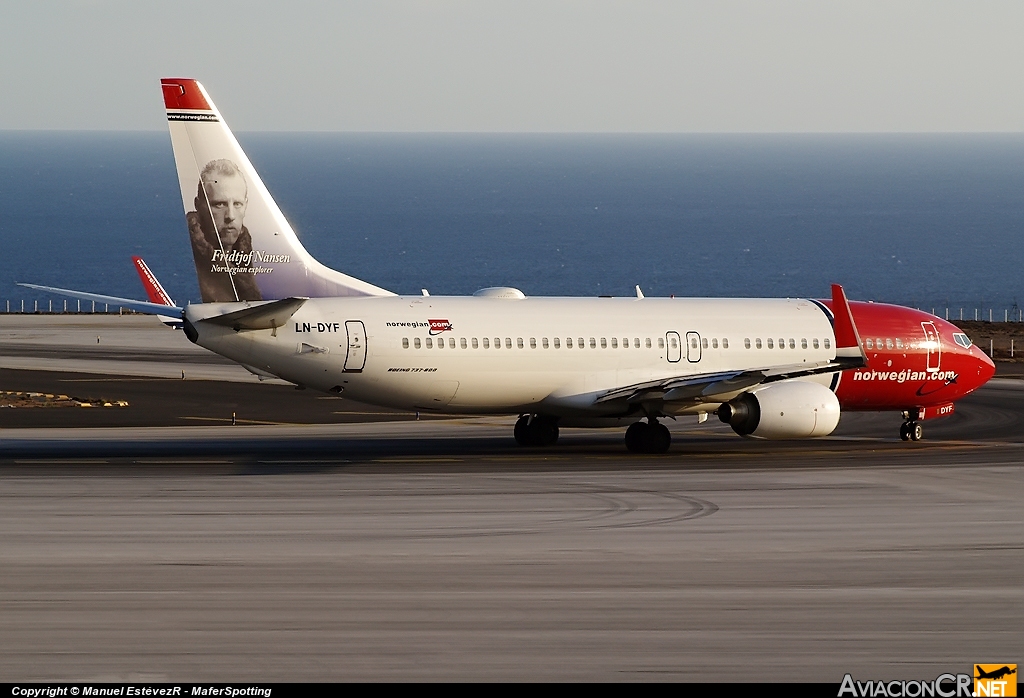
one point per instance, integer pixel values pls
(962, 339)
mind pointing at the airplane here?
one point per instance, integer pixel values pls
(995, 674)
(770, 368)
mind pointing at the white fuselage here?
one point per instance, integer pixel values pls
(501, 356)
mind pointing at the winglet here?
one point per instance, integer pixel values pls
(847, 338)
(154, 289)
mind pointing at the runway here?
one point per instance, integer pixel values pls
(342, 549)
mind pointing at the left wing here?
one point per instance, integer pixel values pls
(130, 304)
(724, 386)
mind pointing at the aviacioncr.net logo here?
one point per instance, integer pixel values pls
(943, 686)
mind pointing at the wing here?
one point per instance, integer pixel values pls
(129, 303)
(724, 386)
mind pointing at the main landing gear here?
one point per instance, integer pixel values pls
(648, 437)
(911, 431)
(535, 430)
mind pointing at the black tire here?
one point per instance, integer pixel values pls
(916, 431)
(543, 431)
(522, 431)
(657, 439)
(905, 431)
(635, 437)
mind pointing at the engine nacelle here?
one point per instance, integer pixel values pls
(786, 410)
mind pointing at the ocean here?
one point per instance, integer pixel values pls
(932, 221)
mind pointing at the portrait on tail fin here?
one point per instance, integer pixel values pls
(221, 244)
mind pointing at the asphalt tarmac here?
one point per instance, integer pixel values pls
(325, 546)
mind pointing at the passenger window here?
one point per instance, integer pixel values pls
(604, 343)
(899, 343)
(430, 343)
(579, 343)
(568, 342)
(814, 343)
(405, 342)
(647, 342)
(416, 342)
(757, 342)
(661, 343)
(497, 343)
(556, 343)
(475, 344)
(792, 343)
(440, 343)
(487, 343)
(508, 342)
(636, 342)
(593, 343)
(673, 343)
(746, 343)
(462, 342)
(725, 343)
(869, 344)
(888, 343)
(519, 342)
(544, 342)
(451, 343)
(771, 343)
(533, 342)
(782, 343)
(828, 343)
(615, 342)
(704, 343)
(714, 343)
(803, 343)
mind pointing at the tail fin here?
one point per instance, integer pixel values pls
(243, 247)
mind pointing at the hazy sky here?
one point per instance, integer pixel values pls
(573, 65)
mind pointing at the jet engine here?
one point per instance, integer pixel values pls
(786, 410)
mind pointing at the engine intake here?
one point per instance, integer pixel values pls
(786, 410)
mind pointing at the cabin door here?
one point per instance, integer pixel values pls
(932, 344)
(355, 359)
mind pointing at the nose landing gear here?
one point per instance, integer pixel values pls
(536, 431)
(648, 437)
(911, 431)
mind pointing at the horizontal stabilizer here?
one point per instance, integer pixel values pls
(266, 316)
(128, 303)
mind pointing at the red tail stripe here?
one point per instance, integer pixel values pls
(183, 93)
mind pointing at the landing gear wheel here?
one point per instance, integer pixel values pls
(538, 431)
(635, 437)
(911, 431)
(522, 431)
(648, 438)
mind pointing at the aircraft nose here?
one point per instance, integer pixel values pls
(986, 367)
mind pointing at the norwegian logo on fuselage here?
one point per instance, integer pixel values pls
(439, 326)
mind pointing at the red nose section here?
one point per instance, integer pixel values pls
(183, 93)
